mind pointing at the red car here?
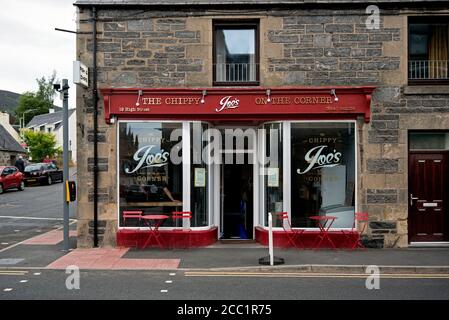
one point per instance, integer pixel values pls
(11, 178)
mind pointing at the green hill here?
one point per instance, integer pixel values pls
(8, 101)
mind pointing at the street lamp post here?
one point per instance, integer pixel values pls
(64, 90)
(22, 121)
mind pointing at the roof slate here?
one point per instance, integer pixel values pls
(8, 143)
(47, 118)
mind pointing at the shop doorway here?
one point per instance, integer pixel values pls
(428, 200)
(237, 201)
(237, 175)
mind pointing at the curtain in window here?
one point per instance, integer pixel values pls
(438, 52)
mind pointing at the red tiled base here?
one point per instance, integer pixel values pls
(308, 238)
(168, 238)
(110, 259)
(50, 238)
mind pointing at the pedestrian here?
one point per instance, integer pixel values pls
(20, 164)
(47, 159)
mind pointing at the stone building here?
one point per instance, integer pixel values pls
(354, 98)
(10, 149)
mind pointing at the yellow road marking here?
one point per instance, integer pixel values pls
(13, 272)
(313, 275)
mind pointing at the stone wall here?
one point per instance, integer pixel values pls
(297, 47)
(5, 157)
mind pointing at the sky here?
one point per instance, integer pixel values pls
(30, 48)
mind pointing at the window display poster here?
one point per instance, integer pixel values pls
(200, 177)
(273, 177)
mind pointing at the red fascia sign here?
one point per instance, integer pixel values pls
(257, 103)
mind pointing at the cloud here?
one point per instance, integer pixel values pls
(30, 47)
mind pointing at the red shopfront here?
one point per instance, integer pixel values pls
(231, 155)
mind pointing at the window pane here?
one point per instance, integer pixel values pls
(428, 51)
(273, 172)
(199, 176)
(235, 55)
(323, 172)
(150, 180)
(429, 141)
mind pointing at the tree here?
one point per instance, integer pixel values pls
(34, 103)
(41, 144)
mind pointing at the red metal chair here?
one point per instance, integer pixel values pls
(360, 218)
(293, 235)
(133, 214)
(181, 215)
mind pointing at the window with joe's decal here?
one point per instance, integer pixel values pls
(150, 180)
(323, 172)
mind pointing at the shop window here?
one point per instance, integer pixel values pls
(199, 200)
(428, 50)
(322, 172)
(273, 175)
(150, 180)
(236, 53)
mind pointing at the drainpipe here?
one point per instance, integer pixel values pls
(95, 101)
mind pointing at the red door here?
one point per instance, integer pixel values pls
(428, 188)
(8, 178)
(15, 177)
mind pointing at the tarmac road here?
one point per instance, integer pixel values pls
(24, 214)
(179, 285)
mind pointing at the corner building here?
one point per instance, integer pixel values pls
(185, 99)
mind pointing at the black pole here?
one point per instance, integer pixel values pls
(95, 102)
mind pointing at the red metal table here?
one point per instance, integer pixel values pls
(324, 229)
(154, 221)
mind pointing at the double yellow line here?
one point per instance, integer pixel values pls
(8, 272)
(313, 275)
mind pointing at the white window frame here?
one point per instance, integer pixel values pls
(186, 166)
(286, 198)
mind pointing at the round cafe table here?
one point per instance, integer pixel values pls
(324, 223)
(154, 221)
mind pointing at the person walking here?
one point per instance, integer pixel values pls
(47, 159)
(20, 164)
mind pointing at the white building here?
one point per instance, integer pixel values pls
(52, 123)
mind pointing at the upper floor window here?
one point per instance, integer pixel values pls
(428, 50)
(236, 53)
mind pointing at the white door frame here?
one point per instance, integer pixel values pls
(217, 180)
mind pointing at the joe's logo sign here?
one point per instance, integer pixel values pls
(146, 159)
(318, 159)
(228, 102)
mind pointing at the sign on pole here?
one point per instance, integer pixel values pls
(80, 74)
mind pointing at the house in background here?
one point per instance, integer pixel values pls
(10, 148)
(52, 123)
(5, 122)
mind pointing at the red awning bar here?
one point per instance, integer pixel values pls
(238, 104)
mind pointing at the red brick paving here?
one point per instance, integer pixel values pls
(49, 238)
(110, 259)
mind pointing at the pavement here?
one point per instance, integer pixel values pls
(45, 251)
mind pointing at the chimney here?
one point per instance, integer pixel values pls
(51, 110)
(4, 118)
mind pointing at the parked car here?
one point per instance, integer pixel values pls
(43, 173)
(11, 178)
